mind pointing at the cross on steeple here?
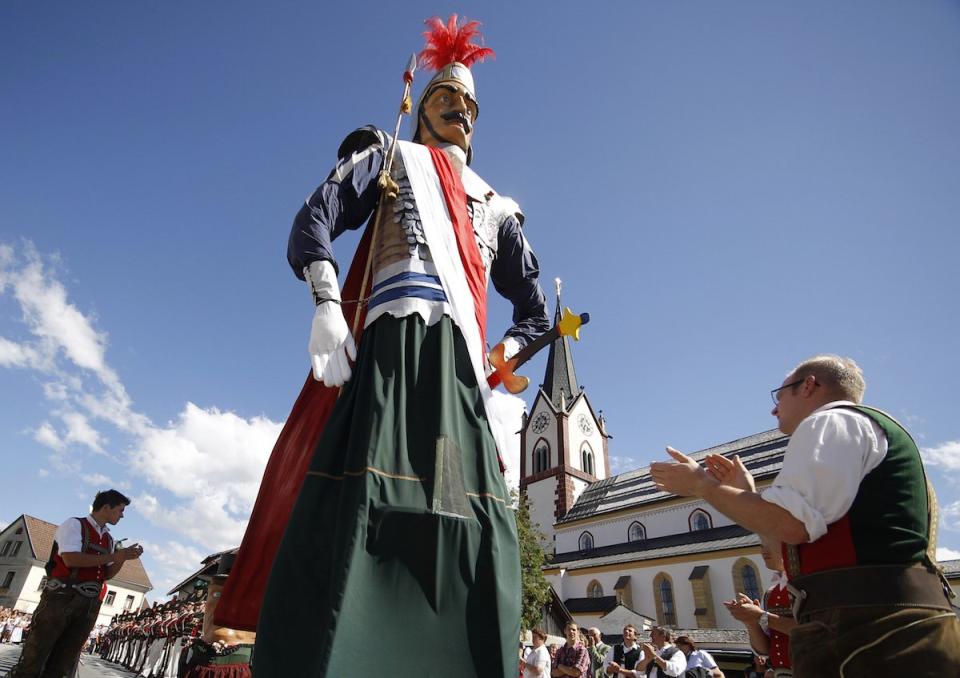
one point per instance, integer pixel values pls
(560, 380)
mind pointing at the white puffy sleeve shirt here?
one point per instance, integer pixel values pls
(826, 459)
(674, 667)
(69, 537)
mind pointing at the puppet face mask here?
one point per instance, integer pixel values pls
(447, 116)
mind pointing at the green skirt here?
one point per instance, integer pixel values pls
(401, 554)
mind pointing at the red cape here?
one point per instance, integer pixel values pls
(240, 602)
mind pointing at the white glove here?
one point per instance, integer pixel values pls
(510, 347)
(330, 339)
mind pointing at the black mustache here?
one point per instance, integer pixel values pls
(457, 116)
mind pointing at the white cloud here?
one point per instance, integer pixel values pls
(97, 479)
(169, 563)
(6, 257)
(67, 346)
(58, 324)
(174, 554)
(950, 516)
(915, 420)
(619, 464)
(208, 451)
(55, 391)
(944, 553)
(13, 354)
(42, 472)
(212, 462)
(208, 461)
(65, 463)
(80, 431)
(945, 455)
(203, 519)
(48, 437)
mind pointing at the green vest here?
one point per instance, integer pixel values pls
(887, 523)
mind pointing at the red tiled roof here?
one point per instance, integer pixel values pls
(41, 535)
(132, 572)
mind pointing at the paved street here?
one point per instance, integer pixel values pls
(90, 666)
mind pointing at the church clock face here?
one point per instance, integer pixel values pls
(583, 421)
(540, 422)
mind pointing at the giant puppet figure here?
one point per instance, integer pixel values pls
(400, 557)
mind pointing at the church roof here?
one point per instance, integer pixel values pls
(762, 453)
(560, 380)
(684, 543)
(602, 604)
(951, 568)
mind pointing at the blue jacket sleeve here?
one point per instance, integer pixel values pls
(515, 274)
(343, 202)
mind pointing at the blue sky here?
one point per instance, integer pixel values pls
(727, 187)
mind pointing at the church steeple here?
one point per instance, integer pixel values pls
(560, 380)
(563, 443)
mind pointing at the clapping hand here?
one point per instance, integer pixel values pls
(730, 472)
(683, 476)
(743, 609)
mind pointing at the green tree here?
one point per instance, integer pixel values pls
(536, 590)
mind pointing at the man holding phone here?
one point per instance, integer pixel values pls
(83, 558)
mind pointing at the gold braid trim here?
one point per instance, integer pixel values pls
(395, 476)
(487, 495)
(363, 471)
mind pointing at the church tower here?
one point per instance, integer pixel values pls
(563, 441)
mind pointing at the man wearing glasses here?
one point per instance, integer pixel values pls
(853, 508)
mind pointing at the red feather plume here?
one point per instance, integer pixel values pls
(448, 42)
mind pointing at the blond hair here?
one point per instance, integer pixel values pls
(841, 376)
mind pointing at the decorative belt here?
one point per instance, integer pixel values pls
(215, 654)
(87, 589)
(867, 586)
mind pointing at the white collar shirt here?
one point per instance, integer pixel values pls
(674, 667)
(701, 658)
(626, 648)
(69, 536)
(779, 579)
(827, 457)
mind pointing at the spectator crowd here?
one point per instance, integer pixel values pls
(586, 655)
(14, 625)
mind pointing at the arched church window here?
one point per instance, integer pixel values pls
(663, 595)
(586, 541)
(594, 589)
(700, 520)
(751, 585)
(636, 532)
(541, 456)
(746, 578)
(586, 459)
